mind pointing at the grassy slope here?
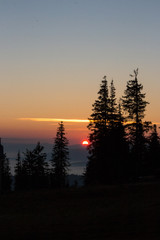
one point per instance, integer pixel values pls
(117, 212)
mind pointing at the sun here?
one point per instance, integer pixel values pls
(85, 142)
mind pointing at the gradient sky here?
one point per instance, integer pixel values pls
(54, 53)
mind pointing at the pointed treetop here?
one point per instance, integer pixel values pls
(135, 73)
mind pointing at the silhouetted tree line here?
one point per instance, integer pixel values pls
(122, 147)
(33, 171)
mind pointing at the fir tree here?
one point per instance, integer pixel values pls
(154, 152)
(60, 158)
(134, 100)
(41, 165)
(112, 104)
(134, 105)
(98, 127)
(35, 168)
(18, 173)
(6, 175)
(120, 145)
(106, 137)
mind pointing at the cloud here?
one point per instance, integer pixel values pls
(55, 120)
(66, 120)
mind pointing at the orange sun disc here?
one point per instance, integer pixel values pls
(85, 142)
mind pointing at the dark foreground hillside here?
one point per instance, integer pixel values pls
(120, 212)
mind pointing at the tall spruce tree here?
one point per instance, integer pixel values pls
(18, 173)
(154, 152)
(5, 173)
(112, 104)
(134, 105)
(105, 138)
(35, 168)
(60, 158)
(98, 136)
(134, 100)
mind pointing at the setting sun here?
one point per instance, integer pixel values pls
(85, 142)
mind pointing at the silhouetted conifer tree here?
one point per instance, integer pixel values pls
(35, 168)
(134, 105)
(18, 173)
(1, 161)
(120, 148)
(41, 165)
(96, 165)
(106, 154)
(134, 100)
(112, 105)
(60, 158)
(154, 152)
(6, 174)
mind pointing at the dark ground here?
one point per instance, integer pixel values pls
(114, 212)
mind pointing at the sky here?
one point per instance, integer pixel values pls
(54, 54)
